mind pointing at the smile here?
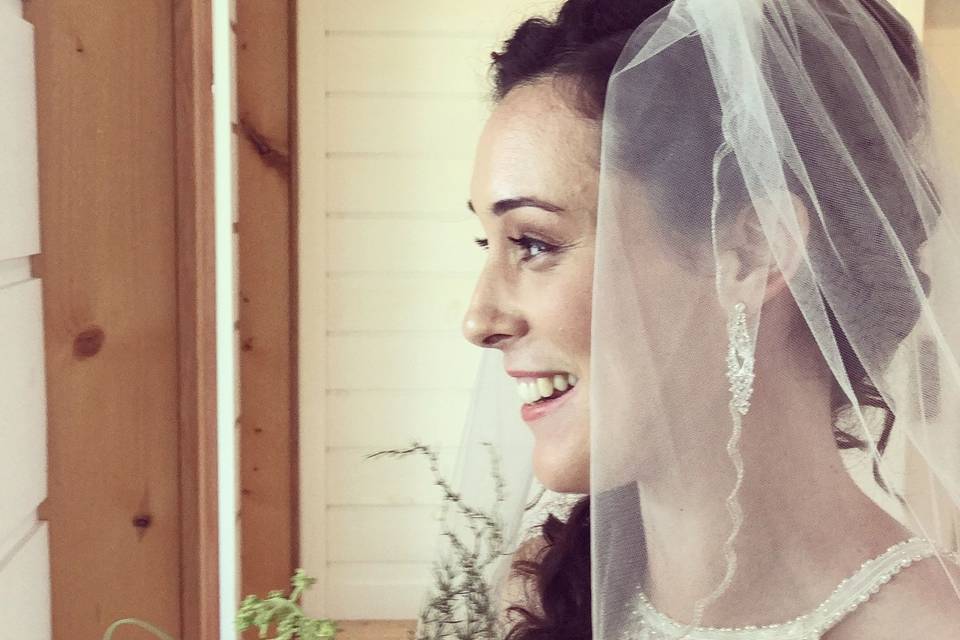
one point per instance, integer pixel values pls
(533, 390)
(531, 411)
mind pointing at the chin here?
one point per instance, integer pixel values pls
(562, 471)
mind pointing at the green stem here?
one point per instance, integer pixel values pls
(137, 623)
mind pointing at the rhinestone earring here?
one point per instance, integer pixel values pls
(740, 359)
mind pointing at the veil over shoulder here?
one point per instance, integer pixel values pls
(747, 143)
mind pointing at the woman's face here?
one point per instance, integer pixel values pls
(534, 191)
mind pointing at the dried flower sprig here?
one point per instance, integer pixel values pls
(460, 603)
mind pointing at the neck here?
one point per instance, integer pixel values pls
(794, 482)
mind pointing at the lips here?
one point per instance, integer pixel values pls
(532, 411)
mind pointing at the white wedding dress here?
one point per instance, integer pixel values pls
(651, 624)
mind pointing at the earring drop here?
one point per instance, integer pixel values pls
(740, 359)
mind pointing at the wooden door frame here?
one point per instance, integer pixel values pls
(197, 332)
(265, 130)
(191, 178)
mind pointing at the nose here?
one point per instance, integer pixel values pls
(489, 321)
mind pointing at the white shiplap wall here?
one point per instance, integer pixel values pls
(24, 560)
(914, 11)
(392, 98)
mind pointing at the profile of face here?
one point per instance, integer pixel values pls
(534, 191)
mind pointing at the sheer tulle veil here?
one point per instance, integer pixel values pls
(746, 141)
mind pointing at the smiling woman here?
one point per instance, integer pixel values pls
(533, 297)
(724, 224)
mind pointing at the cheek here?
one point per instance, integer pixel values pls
(573, 331)
(573, 308)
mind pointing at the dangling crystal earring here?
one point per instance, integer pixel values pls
(740, 359)
(740, 375)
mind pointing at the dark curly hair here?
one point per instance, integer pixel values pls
(582, 44)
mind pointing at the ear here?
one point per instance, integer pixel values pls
(762, 251)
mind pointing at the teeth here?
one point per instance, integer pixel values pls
(545, 387)
(528, 391)
(560, 382)
(532, 389)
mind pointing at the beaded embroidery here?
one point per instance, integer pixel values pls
(651, 624)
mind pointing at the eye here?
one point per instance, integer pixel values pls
(533, 246)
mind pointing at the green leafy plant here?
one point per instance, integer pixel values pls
(460, 603)
(276, 609)
(289, 618)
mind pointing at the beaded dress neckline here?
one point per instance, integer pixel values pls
(651, 624)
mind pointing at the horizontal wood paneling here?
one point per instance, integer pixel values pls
(311, 186)
(364, 590)
(388, 419)
(407, 64)
(10, 8)
(19, 231)
(14, 271)
(384, 481)
(401, 361)
(435, 126)
(406, 534)
(388, 302)
(25, 591)
(23, 434)
(17, 531)
(912, 10)
(389, 184)
(489, 16)
(437, 246)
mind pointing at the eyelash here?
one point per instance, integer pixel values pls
(525, 242)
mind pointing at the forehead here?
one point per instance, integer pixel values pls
(535, 144)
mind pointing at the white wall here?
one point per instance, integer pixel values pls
(912, 10)
(24, 563)
(392, 99)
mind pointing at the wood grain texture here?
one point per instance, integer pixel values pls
(375, 629)
(105, 77)
(197, 332)
(267, 274)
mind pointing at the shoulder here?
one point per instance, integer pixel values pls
(922, 601)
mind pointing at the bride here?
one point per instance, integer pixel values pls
(719, 267)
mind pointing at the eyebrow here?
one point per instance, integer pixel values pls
(501, 207)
